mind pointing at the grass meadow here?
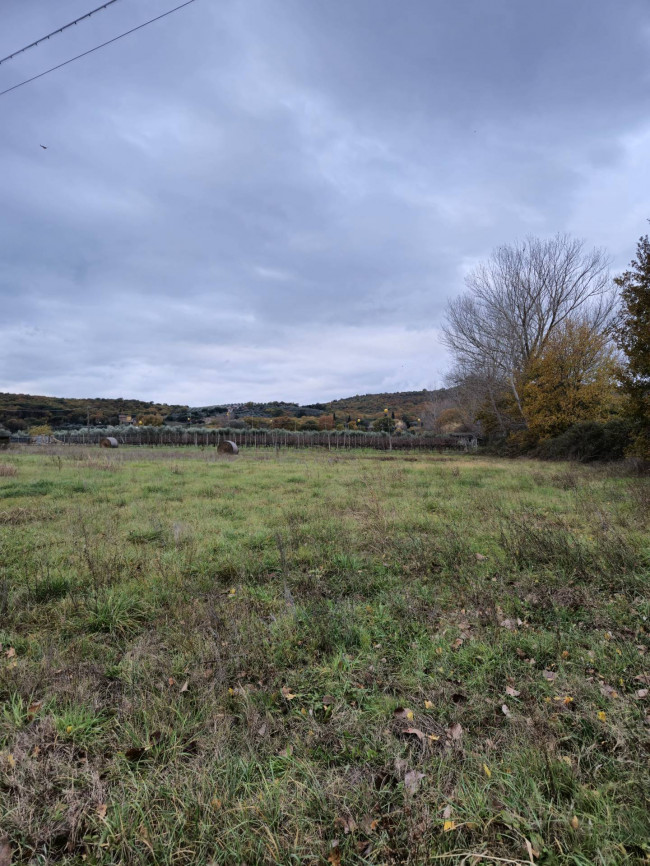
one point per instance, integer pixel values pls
(322, 658)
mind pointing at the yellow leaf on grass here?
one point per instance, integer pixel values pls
(602, 716)
(448, 825)
(428, 705)
(487, 771)
(433, 737)
(11, 760)
(575, 823)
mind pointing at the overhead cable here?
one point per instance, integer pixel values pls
(56, 32)
(96, 48)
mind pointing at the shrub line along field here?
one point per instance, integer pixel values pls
(318, 657)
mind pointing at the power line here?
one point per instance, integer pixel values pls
(56, 32)
(96, 48)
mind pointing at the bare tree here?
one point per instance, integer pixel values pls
(515, 302)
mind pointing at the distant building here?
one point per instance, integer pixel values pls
(126, 419)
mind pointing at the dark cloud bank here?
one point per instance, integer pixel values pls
(274, 199)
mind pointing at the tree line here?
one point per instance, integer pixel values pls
(545, 339)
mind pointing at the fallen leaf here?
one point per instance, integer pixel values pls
(520, 653)
(505, 710)
(403, 713)
(643, 678)
(369, 824)
(532, 852)
(602, 716)
(428, 705)
(286, 753)
(575, 823)
(448, 825)
(480, 557)
(347, 824)
(457, 643)
(185, 685)
(641, 693)
(447, 812)
(433, 737)
(287, 693)
(11, 760)
(33, 709)
(487, 771)
(262, 730)
(551, 676)
(101, 810)
(335, 854)
(565, 654)
(5, 853)
(607, 691)
(455, 732)
(10, 653)
(416, 732)
(412, 781)
(512, 692)
(171, 681)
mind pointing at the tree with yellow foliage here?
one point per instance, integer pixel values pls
(572, 379)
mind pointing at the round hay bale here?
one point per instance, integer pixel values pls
(108, 442)
(227, 446)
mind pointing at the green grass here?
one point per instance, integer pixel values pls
(202, 659)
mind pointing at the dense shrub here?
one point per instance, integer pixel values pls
(589, 441)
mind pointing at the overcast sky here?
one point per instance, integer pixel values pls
(274, 199)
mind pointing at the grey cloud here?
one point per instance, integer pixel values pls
(275, 199)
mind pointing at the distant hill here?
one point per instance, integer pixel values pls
(21, 411)
(400, 402)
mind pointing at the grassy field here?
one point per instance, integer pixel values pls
(322, 658)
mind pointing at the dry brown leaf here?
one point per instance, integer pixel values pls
(185, 685)
(512, 692)
(551, 676)
(643, 678)
(369, 824)
(262, 730)
(10, 653)
(428, 705)
(455, 731)
(575, 823)
(171, 681)
(287, 693)
(335, 854)
(532, 852)
(347, 824)
(480, 557)
(33, 709)
(505, 710)
(403, 713)
(5, 852)
(412, 781)
(101, 810)
(447, 812)
(416, 732)
(641, 693)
